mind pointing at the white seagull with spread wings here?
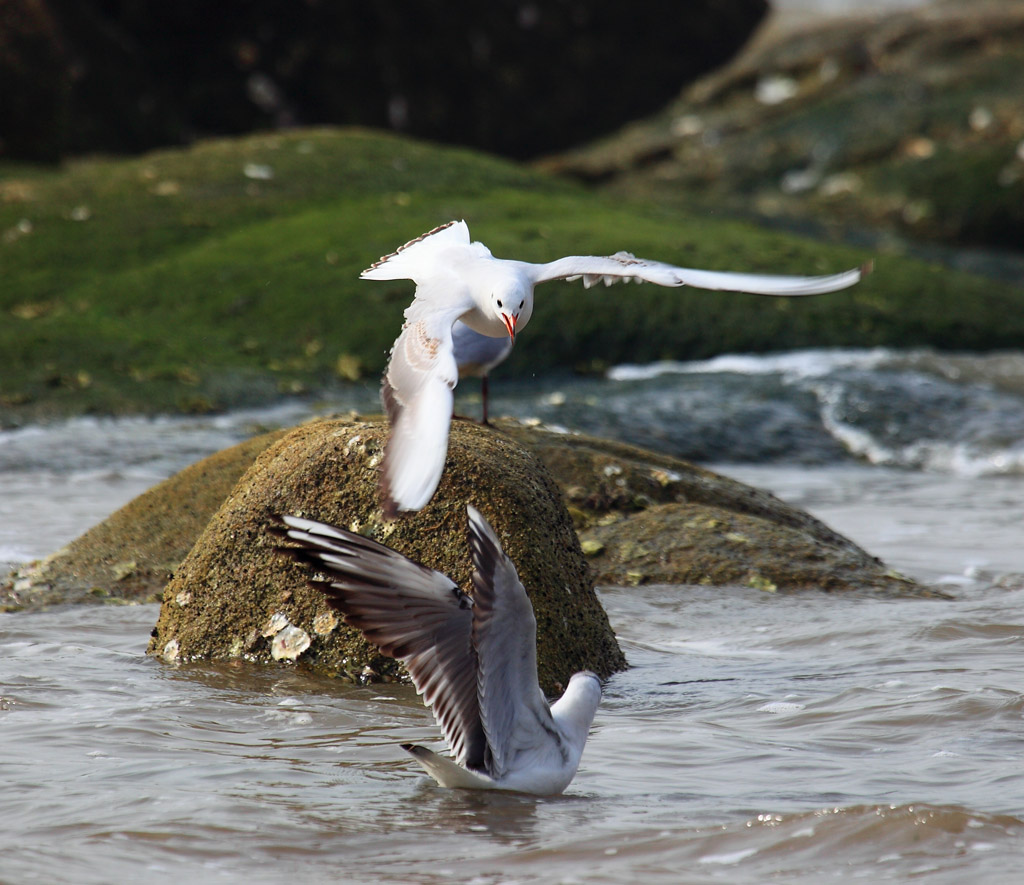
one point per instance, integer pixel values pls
(472, 659)
(460, 281)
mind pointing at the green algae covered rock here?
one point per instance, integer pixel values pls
(226, 274)
(648, 518)
(236, 596)
(131, 554)
(641, 518)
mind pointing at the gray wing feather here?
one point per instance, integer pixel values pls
(477, 354)
(414, 260)
(513, 709)
(409, 612)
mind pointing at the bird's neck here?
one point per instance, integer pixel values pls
(574, 711)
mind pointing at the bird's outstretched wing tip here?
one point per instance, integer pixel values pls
(280, 528)
(388, 267)
(388, 504)
(480, 528)
(284, 521)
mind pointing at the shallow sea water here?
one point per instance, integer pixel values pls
(756, 737)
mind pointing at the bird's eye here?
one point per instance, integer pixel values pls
(521, 303)
(499, 302)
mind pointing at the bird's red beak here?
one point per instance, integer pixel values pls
(510, 323)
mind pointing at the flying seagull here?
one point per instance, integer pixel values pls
(460, 281)
(472, 659)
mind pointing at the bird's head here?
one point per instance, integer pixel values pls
(513, 306)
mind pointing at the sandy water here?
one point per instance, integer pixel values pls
(756, 737)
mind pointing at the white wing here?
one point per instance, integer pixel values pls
(418, 399)
(515, 715)
(416, 259)
(623, 267)
(409, 612)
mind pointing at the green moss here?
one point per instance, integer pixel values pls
(179, 282)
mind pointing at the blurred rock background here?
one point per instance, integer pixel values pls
(517, 78)
(885, 115)
(901, 122)
(175, 212)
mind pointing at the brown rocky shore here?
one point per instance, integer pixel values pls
(571, 511)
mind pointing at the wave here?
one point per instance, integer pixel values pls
(917, 409)
(892, 842)
(792, 364)
(961, 414)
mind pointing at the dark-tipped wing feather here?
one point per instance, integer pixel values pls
(409, 612)
(512, 707)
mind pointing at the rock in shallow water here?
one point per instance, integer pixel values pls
(152, 533)
(247, 600)
(608, 486)
(642, 518)
(647, 518)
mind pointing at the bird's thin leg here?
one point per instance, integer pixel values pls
(484, 392)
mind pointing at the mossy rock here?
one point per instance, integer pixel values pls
(648, 518)
(613, 491)
(600, 476)
(702, 544)
(237, 597)
(174, 282)
(133, 553)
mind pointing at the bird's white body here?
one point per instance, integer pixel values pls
(474, 660)
(544, 769)
(454, 275)
(475, 354)
(459, 281)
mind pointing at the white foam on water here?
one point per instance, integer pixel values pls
(781, 707)
(792, 364)
(933, 456)
(728, 858)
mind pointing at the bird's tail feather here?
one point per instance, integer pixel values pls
(446, 772)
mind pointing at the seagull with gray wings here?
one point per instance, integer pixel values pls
(472, 659)
(459, 281)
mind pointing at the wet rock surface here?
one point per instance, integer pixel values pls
(613, 492)
(570, 510)
(646, 518)
(133, 553)
(236, 596)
